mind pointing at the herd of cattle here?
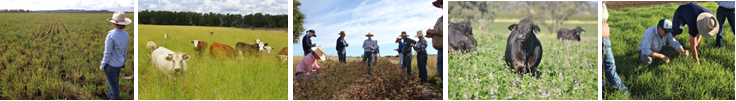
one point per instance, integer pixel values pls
(171, 62)
(523, 49)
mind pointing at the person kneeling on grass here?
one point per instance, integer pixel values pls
(652, 43)
(116, 48)
(308, 65)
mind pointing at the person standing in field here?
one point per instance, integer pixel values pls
(368, 47)
(609, 63)
(376, 53)
(341, 44)
(700, 21)
(436, 35)
(408, 44)
(116, 49)
(725, 11)
(401, 56)
(307, 42)
(421, 49)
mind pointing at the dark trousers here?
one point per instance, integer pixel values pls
(407, 63)
(341, 55)
(722, 15)
(439, 64)
(422, 65)
(368, 56)
(113, 74)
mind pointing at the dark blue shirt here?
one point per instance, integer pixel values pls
(307, 44)
(687, 14)
(341, 44)
(407, 45)
(401, 44)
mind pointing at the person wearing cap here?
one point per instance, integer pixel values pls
(436, 35)
(609, 64)
(725, 11)
(368, 47)
(408, 44)
(307, 42)
(341, 44)
(401, 56)
(652, 43)
(421, 49)
(116, 49)
(376, 53)
(308, 65)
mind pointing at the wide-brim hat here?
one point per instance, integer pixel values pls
(369, 35)
(419, 33)
(707, 25)
(403, 33)
(319, 53)
(119, 18)
(341, 33)
(605, 12)
(437, 3)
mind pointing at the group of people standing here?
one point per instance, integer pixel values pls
(371, 50)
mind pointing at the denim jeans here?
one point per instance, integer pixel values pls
(722, 15)
(422, 65)
(439, 64)
(401, 59)
(368, 56)
(609, 66)
(407, 63)
(341, 56)
(113, 80)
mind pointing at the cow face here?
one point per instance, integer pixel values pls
(268, 48)
(179, 59)
(578, 31)
(524, 29)
(196, 43)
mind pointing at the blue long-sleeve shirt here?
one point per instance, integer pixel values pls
(401, 44)
(407, 45)
(652, 42)
(687, 14)
(116, 48)
(367, 43)
(307, 44)
(341, 44)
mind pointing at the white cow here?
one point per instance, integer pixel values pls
(151, 46)
(166, 36)
(168, 61)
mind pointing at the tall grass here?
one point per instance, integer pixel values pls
(255, 76)
(57, 56)
(682, 78)
(568, 69)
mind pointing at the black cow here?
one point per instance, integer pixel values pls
(566, 34)
(523, 49)
(461, 38)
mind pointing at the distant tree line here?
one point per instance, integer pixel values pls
(14, 10)
(256, 20)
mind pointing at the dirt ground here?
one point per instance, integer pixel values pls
(615, 5)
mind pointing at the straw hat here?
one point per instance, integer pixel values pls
(707, 25)
(403, 33)
(319, 52)
(369, 35)
(419, 33)
(341, 33)
(437, 3)
(119, 18)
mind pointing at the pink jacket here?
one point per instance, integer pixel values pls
(307, 64)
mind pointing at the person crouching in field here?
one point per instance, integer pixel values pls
(401, 56)
(408, 43)
(308, 65)
(421, 48)
(368, 46)
(653, 40)
(116, 48)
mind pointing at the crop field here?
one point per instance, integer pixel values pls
(682, 78)
(350, 81)
(568, 69)
(253, 77)
(56, 56)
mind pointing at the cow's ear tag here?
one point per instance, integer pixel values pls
(583, 32)
(536, 32)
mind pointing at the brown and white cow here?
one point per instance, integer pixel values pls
(199, 46)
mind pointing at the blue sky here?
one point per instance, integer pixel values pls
(112, 5)
(243, 7)
(383, 18)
